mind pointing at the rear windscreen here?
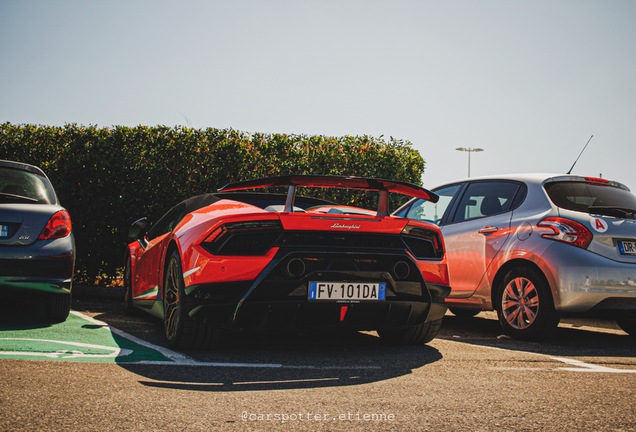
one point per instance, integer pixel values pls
(580, 196)
(22, 186)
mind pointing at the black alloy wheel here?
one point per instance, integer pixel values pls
(182, 331)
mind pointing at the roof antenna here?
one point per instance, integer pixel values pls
(577, 159)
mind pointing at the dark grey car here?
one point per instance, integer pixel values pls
(37, 248)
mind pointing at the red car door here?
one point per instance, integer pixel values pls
(148, 269)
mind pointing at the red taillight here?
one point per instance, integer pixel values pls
(596, 180)
(244, 238)
(57, 227)
(413, 236)
(566, 231)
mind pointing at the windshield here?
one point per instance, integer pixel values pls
(591, 197)
(18, 186)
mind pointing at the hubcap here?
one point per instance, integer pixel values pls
(171, 308)
(520, 303)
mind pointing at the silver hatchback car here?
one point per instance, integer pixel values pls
(535, 247)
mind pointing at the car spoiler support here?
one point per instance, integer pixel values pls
(289, 201)
(383, 203)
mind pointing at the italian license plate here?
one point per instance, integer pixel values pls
(4, 231)
(347, 291)
(627, 247)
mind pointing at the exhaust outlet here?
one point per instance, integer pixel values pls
(295, 268)
(401, 270)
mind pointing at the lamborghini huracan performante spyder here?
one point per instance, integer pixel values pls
(239, 259)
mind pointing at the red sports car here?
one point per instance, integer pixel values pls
(239, 259)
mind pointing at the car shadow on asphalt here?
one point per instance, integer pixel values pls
(282, 362)
(19, 312)
(573, 337)
(272, 360)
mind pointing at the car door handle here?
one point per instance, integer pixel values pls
(488, 230)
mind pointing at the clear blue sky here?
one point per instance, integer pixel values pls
(527, 81)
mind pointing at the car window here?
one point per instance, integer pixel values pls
(168, 221)
(16, 184)
(433, 212)
(485, 199)
(580, 196)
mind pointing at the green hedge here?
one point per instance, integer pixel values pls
(108, 177)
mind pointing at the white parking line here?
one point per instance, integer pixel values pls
(250, 383)
(178, 359)
(588, 367)
(581, 366)
(111, 352)
(172, 355)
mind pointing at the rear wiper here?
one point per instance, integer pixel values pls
(622, 212)
(7, 198)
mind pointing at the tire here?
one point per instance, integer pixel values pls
(414, 335)
(464, 313)
(58, 307)
(183, 332)
(129, 308)
(525, 306)
(628, 325)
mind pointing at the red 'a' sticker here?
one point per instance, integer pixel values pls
(599, 225)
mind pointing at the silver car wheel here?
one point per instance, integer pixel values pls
(520, 303)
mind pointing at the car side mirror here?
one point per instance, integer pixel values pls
(138, 230)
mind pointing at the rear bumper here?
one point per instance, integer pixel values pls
(304, 314)
(35, 285)
(585, 281)
(279, 297)
(236, 306)
(45, 266)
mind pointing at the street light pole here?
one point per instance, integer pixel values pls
(469, 150)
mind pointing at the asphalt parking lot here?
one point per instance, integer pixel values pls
(469, 378)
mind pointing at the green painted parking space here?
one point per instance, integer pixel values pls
(79, 339)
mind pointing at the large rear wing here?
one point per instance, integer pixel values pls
(336, 182)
